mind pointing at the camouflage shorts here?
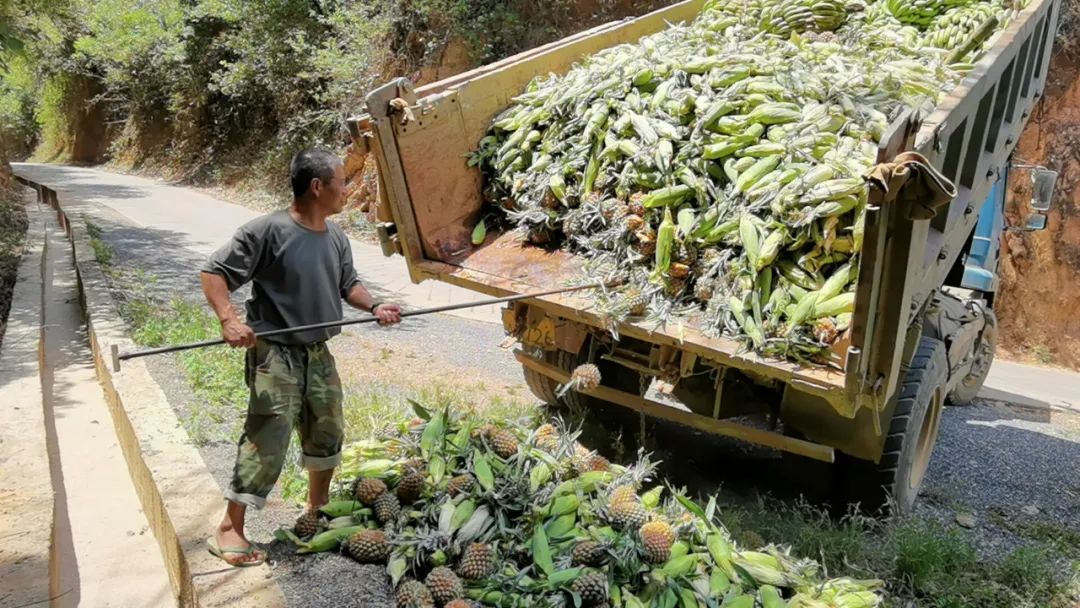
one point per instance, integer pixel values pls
(292, 386)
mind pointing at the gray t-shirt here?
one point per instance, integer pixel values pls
(299, 276)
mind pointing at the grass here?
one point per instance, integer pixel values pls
(215, 373)
(925, 563)
(103, 253)
(1043, 354)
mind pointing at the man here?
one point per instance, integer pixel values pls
(300, 266)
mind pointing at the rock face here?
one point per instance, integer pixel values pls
(1040, 272)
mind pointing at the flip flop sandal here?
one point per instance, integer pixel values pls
(221, 553)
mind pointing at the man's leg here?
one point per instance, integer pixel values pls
(230, 535)
(322, 425)
(319, 488)
(275, 399)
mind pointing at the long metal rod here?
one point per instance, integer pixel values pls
(117, 356)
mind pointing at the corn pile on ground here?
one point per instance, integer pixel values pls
(718, 167)
(545, 526)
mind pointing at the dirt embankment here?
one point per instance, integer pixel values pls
(1040, 271)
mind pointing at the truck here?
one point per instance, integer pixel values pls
(923, 329)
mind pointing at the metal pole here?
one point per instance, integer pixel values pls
(117, 356)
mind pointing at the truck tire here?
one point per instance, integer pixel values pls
(895, 480)
(545, 388)
(967, 389)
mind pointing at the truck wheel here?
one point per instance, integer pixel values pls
(545, 388)
(895, 480)
(964, 392)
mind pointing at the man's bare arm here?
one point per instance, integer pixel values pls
(360, 298)
(233, 330)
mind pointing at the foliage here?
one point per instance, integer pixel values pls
(12, 234)
(215, 89)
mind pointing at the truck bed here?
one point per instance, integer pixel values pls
(435, 199)
(504, 266)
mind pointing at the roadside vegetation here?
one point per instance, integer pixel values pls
(221, 92)
(12, 234)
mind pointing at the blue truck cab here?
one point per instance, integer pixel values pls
(984, 251)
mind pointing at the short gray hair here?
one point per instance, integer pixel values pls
(309, 164)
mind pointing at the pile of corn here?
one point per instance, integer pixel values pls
(465, 513)
(718, 167)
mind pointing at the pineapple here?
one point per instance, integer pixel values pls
(504, 443)
(410, 487)
(387, 508)
(547, 437)
(674, 286)
(597, 462)
(622, 494)
(444, 585)
(592, 588)
(369, 489)
(539, 237)
(646, 241)
(576, 464)
(613, 209)
(458, 604)
(369, 547)
(634, 206)
(627, 515)
(679, 270)
(477, 562)
(483, 431)
(387, 432)
(460, 485)
(704, 288)
(636, 302)
(588, 553)
(585, 377)
(686, 253)
(633, 223)
(574, 223)
(657, 538)
(308, 524)
(413, 594)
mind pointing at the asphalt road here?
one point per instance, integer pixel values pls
(1011, 458)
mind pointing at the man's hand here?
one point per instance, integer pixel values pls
(237, 334)
(388, 314)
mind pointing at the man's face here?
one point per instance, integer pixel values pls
(330, 195)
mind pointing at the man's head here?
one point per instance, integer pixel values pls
(318, 179)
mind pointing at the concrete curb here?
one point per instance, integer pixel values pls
(179, 496)
(27, 499)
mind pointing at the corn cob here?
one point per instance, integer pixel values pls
(665, 241)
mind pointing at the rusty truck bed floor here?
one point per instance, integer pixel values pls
(505, 265)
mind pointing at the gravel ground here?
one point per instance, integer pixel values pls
(1011, 467)
(1008, 466)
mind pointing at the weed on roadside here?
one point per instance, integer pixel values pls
(103, 252)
